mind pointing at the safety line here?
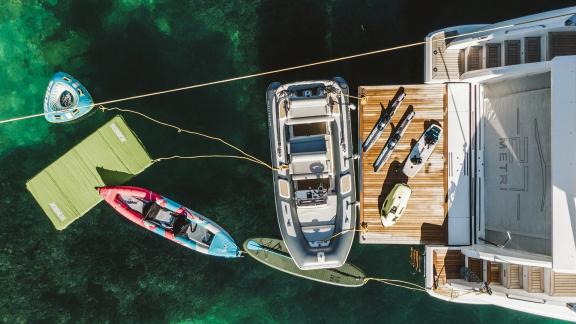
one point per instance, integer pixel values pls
(254, 75)
(296, 67)
(213, 156)
(245, 156)
(364, 230)
(397, 283)
(32, 116)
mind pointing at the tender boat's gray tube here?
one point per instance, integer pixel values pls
(330, 253)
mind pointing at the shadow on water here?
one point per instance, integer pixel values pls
(112, 177)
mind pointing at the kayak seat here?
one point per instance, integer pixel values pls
(208, 238)
(187, 230)
(161, 216)
(179, 223)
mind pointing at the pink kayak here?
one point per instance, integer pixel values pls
(170, 220)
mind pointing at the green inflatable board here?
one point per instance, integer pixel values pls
(273, 253)
(112, 155)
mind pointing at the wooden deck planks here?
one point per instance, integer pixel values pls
(563, 284)
(446, 64)
(514, 279)
(423, 222)
(494, 272)
(476, 266)
(447, 264)
(535, 280)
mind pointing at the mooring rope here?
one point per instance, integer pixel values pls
(291, 68)
(245, 156)
(397, 283)
(302, 66)
(364, 230)
(173, 157)
(25, 117)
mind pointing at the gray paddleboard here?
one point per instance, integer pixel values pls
(273, 253)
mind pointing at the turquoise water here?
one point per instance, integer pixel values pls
(103, 269)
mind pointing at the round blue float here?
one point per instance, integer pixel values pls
(66, 99)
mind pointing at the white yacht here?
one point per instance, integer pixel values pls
(311, 146)
(511, 158)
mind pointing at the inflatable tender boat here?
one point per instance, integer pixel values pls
(314, 184)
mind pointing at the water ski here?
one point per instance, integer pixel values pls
(384, 119)
(273, 253)
(66, 99)
(393, 141)
(422, 150)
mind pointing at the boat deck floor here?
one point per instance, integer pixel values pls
(424, 220)
(446, 64)
(446, 266)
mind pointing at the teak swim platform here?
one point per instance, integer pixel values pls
(424, 221)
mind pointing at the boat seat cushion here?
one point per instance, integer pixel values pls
(298, 108)
(187, 230)
(180, 222)
(208, 236)
(318, 233)
(320, 215)
(160, 215)
(310, 176)
(315, 163)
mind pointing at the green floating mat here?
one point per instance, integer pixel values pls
(273, 253)
(111, 155)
